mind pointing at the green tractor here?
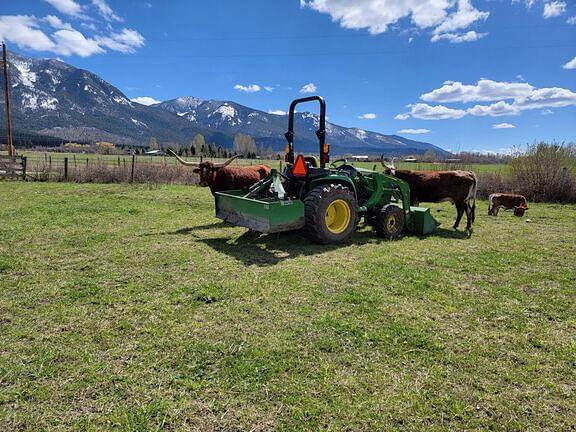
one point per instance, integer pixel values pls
(324, 199)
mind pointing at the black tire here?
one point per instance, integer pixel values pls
(389, 222)
(316, 206)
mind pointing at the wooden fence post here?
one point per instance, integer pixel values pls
(50, 163)
(86, 161)
(133, 168)
(65, 168)
(118, 161)
(24, 162)
(74, 156)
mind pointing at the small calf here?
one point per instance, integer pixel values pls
(508, 201)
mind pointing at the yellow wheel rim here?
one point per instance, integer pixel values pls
(391, 224)
(337, 216)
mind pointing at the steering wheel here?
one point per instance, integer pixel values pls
(341, 161)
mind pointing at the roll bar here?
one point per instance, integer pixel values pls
(320, 133)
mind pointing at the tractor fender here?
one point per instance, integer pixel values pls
(335, 179)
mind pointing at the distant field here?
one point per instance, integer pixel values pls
(132, 308)
(58, 158)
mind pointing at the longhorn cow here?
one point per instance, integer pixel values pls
(221, 177)
(457, 187)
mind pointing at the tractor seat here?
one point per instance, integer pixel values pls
(313, 161)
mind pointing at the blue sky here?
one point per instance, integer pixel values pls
(462, 74)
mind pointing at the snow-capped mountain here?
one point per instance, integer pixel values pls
(53, 98)
(268, 129)
(50, 97)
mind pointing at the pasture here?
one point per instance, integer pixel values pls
(130, 307)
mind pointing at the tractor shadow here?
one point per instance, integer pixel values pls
(252, 248)
(190, 230)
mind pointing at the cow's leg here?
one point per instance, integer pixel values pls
(468, 209)
(460, 207)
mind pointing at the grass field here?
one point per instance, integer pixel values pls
(132, 308)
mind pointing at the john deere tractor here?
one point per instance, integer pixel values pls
(324, 199)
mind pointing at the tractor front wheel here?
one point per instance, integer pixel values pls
(331, 213)
(389, 222)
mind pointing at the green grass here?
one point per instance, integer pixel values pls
(132, 308)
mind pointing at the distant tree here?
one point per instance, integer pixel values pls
(429, 156)
(197, 144)
(104, 147)
(153, 144)
(244, 144)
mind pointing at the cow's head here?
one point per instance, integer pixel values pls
(519, 210)
(204, 169)
(389, 169)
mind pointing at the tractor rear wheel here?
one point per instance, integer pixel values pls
(389, 222)
(331, 213)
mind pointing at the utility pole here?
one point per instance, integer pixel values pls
(11, 150)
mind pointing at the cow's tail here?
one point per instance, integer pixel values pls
(490, 202)
(472, 195)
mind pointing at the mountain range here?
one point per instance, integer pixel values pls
(51, 98)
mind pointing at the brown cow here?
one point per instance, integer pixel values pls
(507, 201)
(221, 177)
(457, 187)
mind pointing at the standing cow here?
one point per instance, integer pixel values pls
(507, 201)
(221, 177)
(457, 187)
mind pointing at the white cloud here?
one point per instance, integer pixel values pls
(554, 9)
(470, 36)
(511, 99)
(547, 112)
(309, 88)
(494, 110)
(367, 116)
(72, 42)
(465, 16)
(252, 88)
(145, 100)
(127, 41)
(378, 15)
(484, 90)
(269, 88)
(571, 64)
(23, 31)
(404, 116)
(67, 7)
(503, 126)
(277, 112)
(571, 20)
(438, 112)
(105, 10)
(57, 23)
(413, 131)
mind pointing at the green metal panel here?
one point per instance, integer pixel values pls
(258, 215)
(421, 221)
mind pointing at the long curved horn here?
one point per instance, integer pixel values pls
(182, 161)
(385, 165)
(228, 162)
